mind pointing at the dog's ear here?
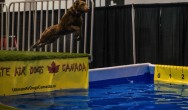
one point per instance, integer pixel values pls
(76, 3)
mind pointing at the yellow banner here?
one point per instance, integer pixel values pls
(171, 74)
(20, 77)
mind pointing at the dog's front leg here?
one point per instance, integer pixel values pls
(77, 35)
(76, 30)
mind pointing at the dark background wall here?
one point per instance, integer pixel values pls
(161, 35)
(118, 2)
(1, 5)
(112, 37)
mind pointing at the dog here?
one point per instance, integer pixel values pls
(71, 22)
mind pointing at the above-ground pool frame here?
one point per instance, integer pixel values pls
(162, 73)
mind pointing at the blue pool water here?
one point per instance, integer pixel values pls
(137, 97)
(125, 96)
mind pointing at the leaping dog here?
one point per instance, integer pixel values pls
(71, 22)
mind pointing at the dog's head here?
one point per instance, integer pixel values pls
(81, 6)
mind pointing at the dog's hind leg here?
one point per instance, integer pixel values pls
(38, 44)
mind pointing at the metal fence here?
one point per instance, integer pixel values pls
(3, 25)
(23, 22)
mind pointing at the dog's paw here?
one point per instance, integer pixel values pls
(78, 38)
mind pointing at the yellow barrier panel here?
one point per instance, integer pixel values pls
(20, 77)
(6, 107)
(171, 74)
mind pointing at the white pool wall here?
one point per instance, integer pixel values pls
(123, 71)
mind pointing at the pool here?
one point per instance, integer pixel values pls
(133, 91)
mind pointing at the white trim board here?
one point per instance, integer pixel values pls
(128, 2)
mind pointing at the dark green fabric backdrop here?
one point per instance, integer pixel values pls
(174, 35)
(112, 37)
(161, 35)
(147, 33)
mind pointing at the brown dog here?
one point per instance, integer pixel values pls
(71, 22)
